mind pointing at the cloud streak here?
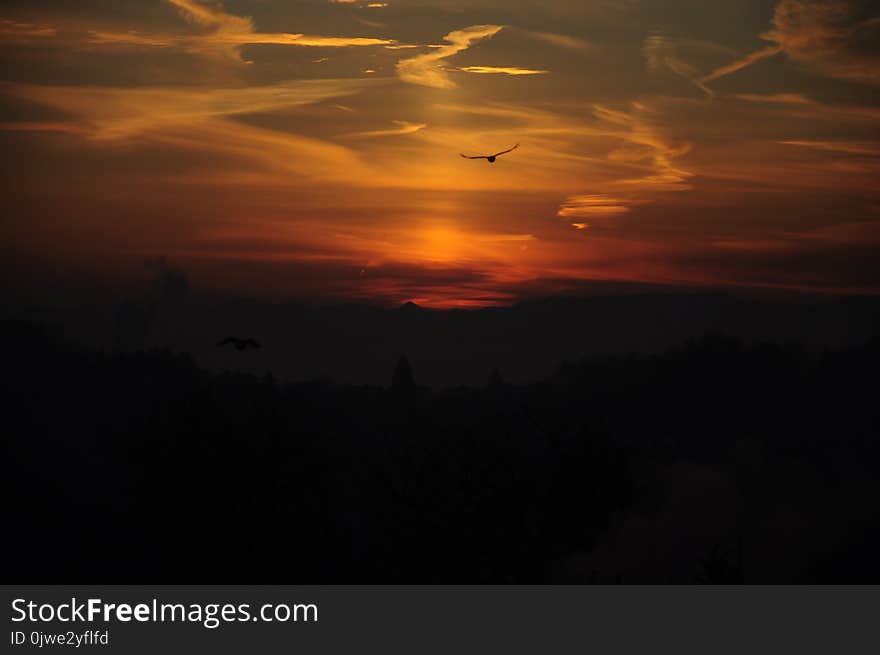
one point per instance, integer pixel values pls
(822, 36)
(117, 142)
(739, 64)
(592, 206)
(427, 69)
(403, 128)
(17, 32)
(660, 54)
(848, 147)
(109, 113)
(642, 142)
(223, 34)
(501, 70)
(562, 41)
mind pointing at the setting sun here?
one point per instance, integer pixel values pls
(241, 136)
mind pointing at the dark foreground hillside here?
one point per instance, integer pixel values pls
(353, 344)
(715, 462)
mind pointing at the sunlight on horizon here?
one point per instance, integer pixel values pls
(246, 141)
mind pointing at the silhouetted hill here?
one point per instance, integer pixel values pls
(716, 461)
(353, 343)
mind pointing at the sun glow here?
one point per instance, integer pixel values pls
(223, 140)
(440, 244)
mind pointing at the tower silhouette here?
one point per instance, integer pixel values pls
(403, 381)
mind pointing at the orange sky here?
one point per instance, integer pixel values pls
(309, 149)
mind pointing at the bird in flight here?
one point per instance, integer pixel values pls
(239, 344)
(491, 158)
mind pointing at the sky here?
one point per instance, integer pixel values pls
(309, 150)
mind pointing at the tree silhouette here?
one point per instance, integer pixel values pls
(402, 380)
(273, 481)
(495, 382)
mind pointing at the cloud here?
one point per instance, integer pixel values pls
(824, 36)
(803, 107)
(195, 131)
(121, 112)
(213, 17)
(501, 70)
(427, 69)
(313, 41)
(131, 38)
(838, 259)
(220, 26)
(228, 44)
(868, 149)
(223, 34)
(776, 98)
(602, 146)
(435, 263)
(46, 126)
(562, 41)
(660, 54)
(642, 142)
(16, 32)
(403, 127)
(592, 206)
(739, 64)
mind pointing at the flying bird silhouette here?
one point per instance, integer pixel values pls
(491, 158)
(239, 344)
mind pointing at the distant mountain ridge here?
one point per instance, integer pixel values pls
(527, 341)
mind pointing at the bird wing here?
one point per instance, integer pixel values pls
(476, 157)
(226, 340)
(504, 152)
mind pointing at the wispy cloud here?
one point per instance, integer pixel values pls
(223, 34)
(224, 31)
(17, 32)
(191, 147)
(592, 206)
(63, 127)
(642, 142)
(822, 36)
(562, 41)
(132, 38)
(213, 17)
(869, 149)
(744, 62)
(661, 54)
(501, 70)
(228, 45)
(427, 69)
(116, 113)
(776, 98)
(806, 108)
(403, 128)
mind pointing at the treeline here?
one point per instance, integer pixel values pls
(716, 462)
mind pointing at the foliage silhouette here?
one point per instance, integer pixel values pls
(145, 467)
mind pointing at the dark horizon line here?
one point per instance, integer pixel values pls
(624, 290)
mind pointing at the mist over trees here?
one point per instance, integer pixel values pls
(717, 461)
